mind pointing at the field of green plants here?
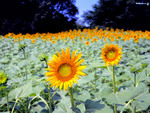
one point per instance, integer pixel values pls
(24, 63)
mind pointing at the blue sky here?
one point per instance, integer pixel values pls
(84, 5)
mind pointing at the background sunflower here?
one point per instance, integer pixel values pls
(111, 54)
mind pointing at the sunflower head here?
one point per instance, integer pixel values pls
(111, 54)
(64, 69)
(3, 77)
(87, 43)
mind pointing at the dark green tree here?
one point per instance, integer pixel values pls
(31, 16)
(55, 16)
(120, 14)
(17, 15)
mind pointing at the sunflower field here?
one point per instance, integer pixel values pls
(76, 71)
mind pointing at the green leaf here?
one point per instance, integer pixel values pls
(38, 109)
(64, 106)
(97, 65)
(3, 101)
(3, 87)
(81, 107)
(86, 79)
(140, 77)
(15, 80)
(104, 93)
(37, 89)
(106, 109)
(83, 97)
(125, 95)
(21, 92)
(5, 60)
(92, 106)
(142, 100)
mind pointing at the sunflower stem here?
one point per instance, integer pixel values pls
(14, 105)
(114, 89)
(71, 96)
(26, 109)
(50, 100)
(134, 109)
(25, 65)
(134, 80)
(7, 99)
(134, 86)
(146, 76)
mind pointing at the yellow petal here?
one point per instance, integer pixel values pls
(78, 57)
(51, 65)
(73, 55)
(59, 55)
(49, 79)
(74, 80)
(67, 53)
(48, 69)
(48, 74)
(81, 73)
(60, 87)
(63, 53)
(69, 83)
(65, 86)
(81, 68)
(78, 63)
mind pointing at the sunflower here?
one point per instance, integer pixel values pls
(64, 70)
(87, 43)
(3, 77)
(111, 54)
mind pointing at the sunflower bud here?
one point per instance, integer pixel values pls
(3, 77)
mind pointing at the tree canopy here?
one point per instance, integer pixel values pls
(31, 16)
(120, 14)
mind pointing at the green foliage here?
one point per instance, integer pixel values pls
(92, 93)
(21, 92)
(64, 106)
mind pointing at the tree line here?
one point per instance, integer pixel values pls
(31, 16)
(126, 14)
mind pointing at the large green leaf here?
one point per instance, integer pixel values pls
(37, 89)
(39, 109)
(140, 94)
(86, 79)
(64, 106)
(106, 109)
(81, 107)
(92, 106)
(3, 101)
(83, 96)
(20, 92)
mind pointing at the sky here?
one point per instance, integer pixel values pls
(84, 5)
